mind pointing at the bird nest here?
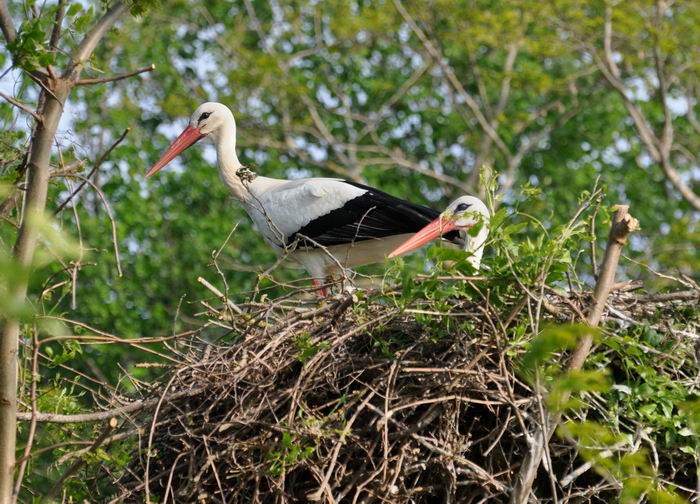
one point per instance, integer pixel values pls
(359, 401)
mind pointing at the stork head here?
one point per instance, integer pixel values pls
(210, 119)
(463, 213)
(466, 212)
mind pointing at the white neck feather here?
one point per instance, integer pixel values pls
(225, 141)
(475, 245)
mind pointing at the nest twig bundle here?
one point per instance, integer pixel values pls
(339, 405)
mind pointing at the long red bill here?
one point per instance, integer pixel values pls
(433, 230)
(189, 136)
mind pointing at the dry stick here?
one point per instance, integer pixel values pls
(152, 432)
(318, 494)
(79, 463)
(668, 296)
(623, 225)
(220, 295)
(140, 405)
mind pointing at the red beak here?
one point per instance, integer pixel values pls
(436, 228)
(188, 137)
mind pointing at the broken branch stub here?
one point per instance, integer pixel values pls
(623, 225)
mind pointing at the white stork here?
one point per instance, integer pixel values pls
(463, 213)
(326, 224)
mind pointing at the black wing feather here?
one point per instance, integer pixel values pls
(375, 214)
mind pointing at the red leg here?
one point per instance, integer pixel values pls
(323, 291)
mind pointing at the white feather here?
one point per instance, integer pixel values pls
(280, 208)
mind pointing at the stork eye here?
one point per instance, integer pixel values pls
(204, 116)
(462, 207)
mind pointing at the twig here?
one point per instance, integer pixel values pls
(84, 82)
(109, 215)
(98, 163)
(323, 487)
(21, 106)
(220, 295)
(668, 296)
(140, 405)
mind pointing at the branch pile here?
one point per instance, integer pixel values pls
(364, 402)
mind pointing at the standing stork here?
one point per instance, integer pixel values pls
(463, 213)
(325, 224)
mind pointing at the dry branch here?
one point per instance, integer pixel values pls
(136, 406)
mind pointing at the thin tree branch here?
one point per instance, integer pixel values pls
(507, 77)
(97, 165)
(609, 73)
(607, 43)
(113, 78)
(38, 78)
(667, 296)
(398, 94)
(658, 148)
(20, 106)
(504, 93)
(666, 140)
(110, 215)
(58, 21)
(675, 178)
(89, 43)
(220, 295)
(136, 406)
(534, 141)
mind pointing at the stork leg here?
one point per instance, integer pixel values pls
(322, 291)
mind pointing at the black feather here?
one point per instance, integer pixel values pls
(375, 214)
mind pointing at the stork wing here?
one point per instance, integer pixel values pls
(370, 215)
